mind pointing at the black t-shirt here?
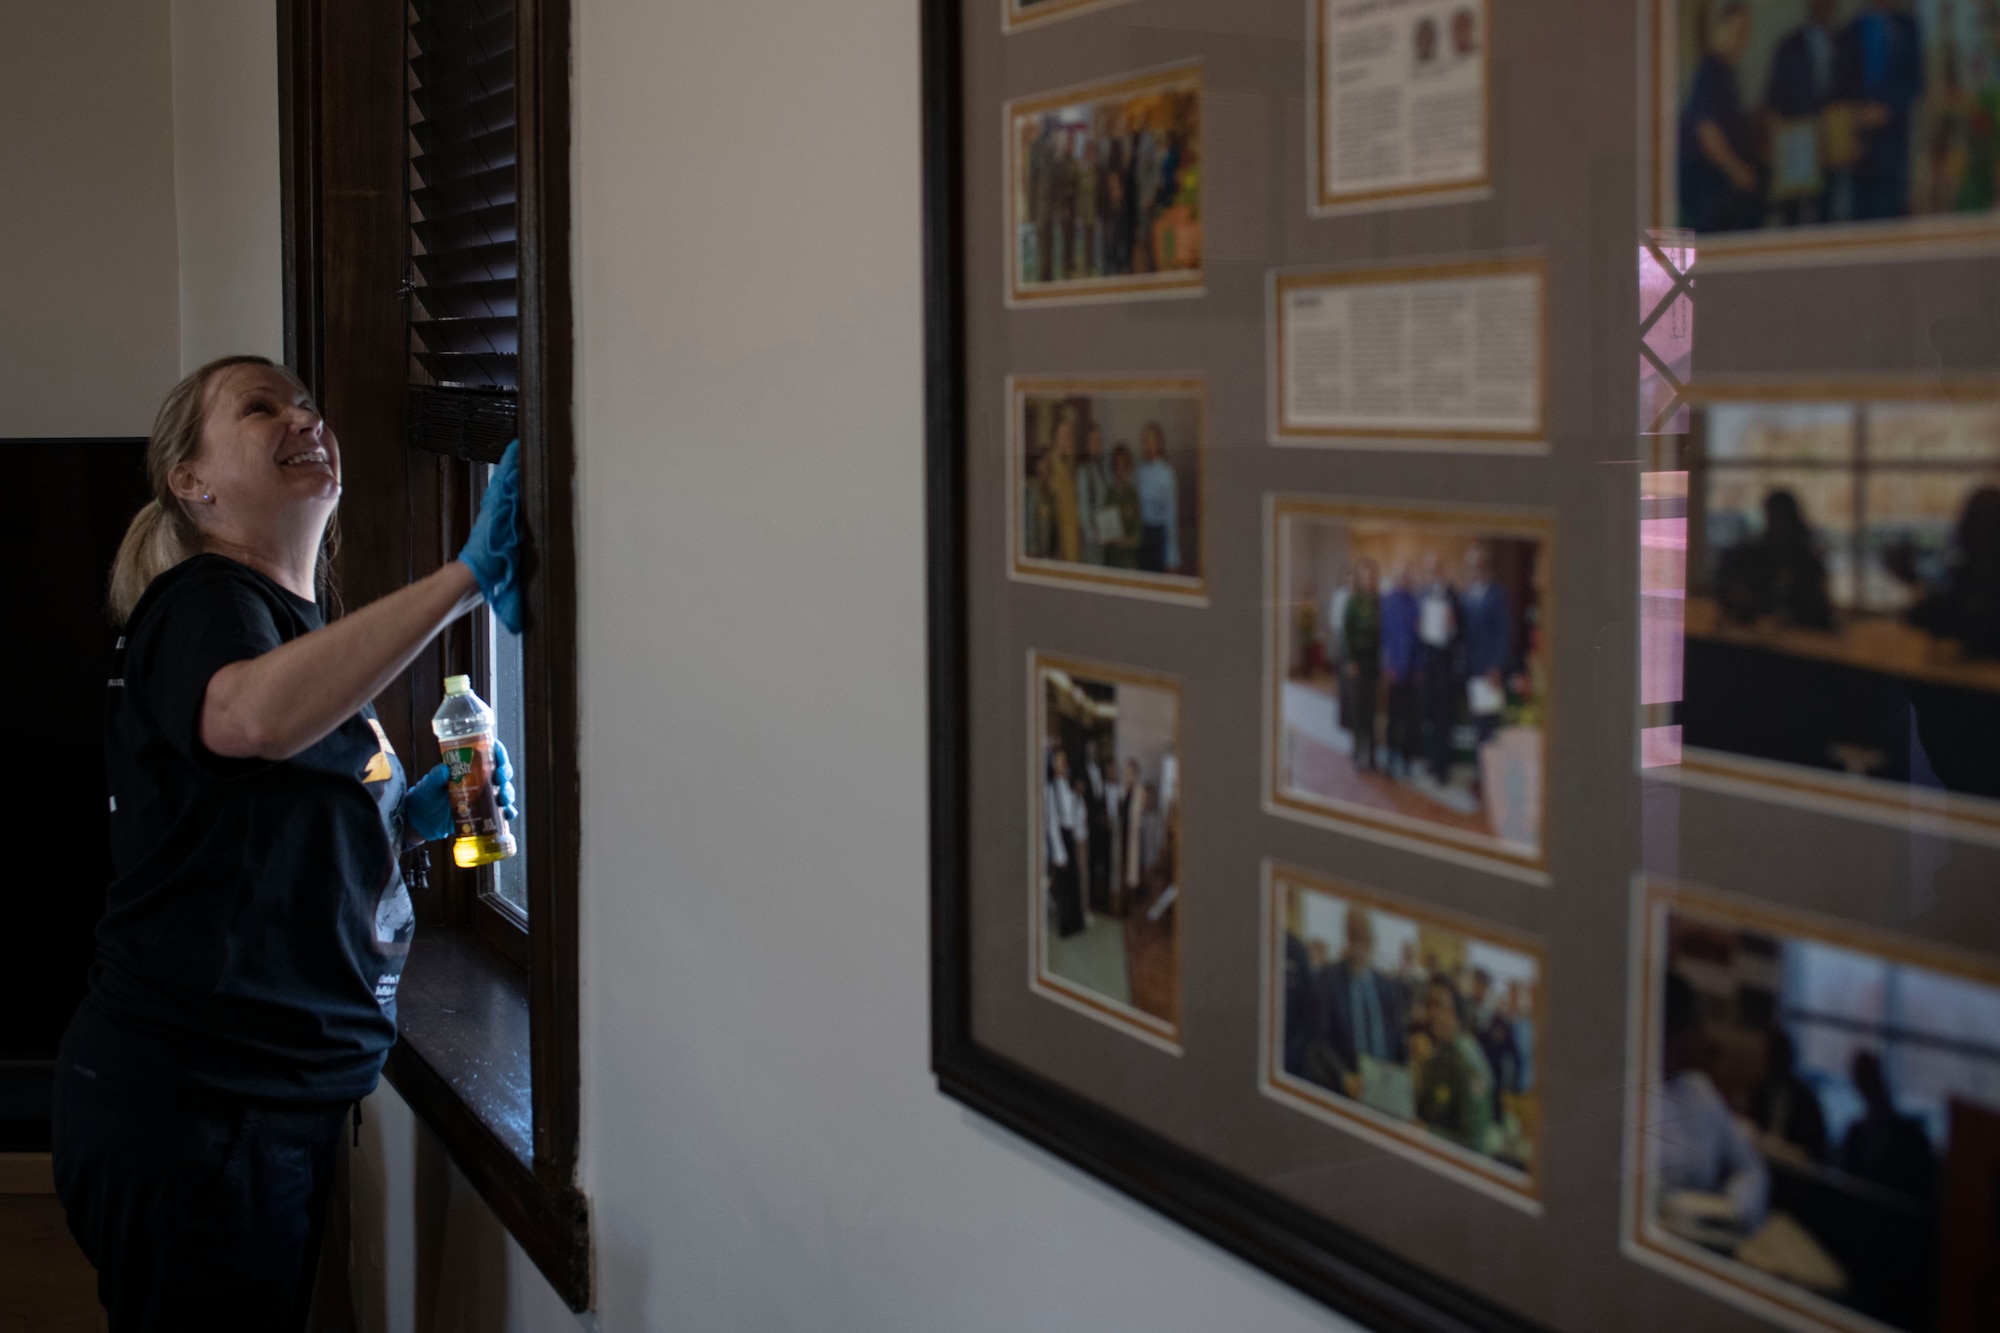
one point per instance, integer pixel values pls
(256, 929)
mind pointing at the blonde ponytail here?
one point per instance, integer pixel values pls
(164, 533)
(158, 539)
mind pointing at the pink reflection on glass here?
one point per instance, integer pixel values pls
(1666, 330)
(1662, 606)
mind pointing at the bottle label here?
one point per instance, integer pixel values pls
(475, 800)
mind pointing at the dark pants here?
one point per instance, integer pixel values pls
(199, 1213)
(1065, 888)
(1360, 710)
(1435, 681)
(1882, 194)
(1403, 738)
(1153, 548)
(1100, 865)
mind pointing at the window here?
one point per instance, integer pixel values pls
(1880, 485)
(507, 880)
(464, 252)
(424, 153)
(1933, 1032)
(463, 282)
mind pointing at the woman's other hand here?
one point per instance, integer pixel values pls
(495, 541)
(427, 806)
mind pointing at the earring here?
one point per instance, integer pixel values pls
(207, 498)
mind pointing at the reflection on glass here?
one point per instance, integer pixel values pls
(1809, 1100)
(1795, 114)
(1662, 612)
(1666, 330)
(1843, 608)
(510, 877)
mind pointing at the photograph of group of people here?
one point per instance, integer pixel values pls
(1796, 113)
(1107, 480)
(1104, 188)
(1409, 1025)
(1821, 1117)
(1843, 599)
(1107, 829)
(1408, 673)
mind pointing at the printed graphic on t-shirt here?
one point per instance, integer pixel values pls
(378, 769)
(395, 917)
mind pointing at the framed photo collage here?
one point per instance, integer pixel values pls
(1447, 785)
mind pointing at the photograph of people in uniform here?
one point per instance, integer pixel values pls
(1409, 673)
(1842, 611)
(1107, 476)
(1809, 113)
(1813, 1102)
(1104, 189)
(1107, 826)
(1403, 1024)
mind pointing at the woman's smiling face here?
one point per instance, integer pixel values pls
(266, 454)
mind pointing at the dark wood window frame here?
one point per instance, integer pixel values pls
(489, 1054)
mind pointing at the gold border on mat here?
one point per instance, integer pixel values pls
(1522, 1189)
(1187, 589)
(1013, 18)
(1146, 285)
(1737, 1284)
(1323, 204)
(1824, 243)
(1284, 283)
(1135, 1022)
(1416, 835)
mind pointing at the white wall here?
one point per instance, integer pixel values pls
(139, 223)
(89, 325)
(764, 1147)
(226, 192)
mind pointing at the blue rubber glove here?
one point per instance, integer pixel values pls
(427, 806)
(495, 541)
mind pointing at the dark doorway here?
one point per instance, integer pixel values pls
(81, 494)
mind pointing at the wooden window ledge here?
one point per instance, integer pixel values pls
(462, 1064)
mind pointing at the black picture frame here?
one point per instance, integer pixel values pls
(1351, 1274)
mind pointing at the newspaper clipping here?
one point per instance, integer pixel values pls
(1400, 100)
(1451, 355)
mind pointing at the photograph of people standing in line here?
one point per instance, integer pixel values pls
(1821, 1117)
(1390, 1019)
(1809, 113)
(1107, 481)
(1104, 189)
(1409, 674)
(1106, 815)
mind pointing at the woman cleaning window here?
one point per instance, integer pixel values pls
(243, 994)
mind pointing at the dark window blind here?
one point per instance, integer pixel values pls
(464, 258)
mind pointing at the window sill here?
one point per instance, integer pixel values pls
(462, 1064)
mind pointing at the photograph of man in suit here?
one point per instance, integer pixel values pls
(1361, 1013)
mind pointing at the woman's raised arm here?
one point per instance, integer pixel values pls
(274, 706)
